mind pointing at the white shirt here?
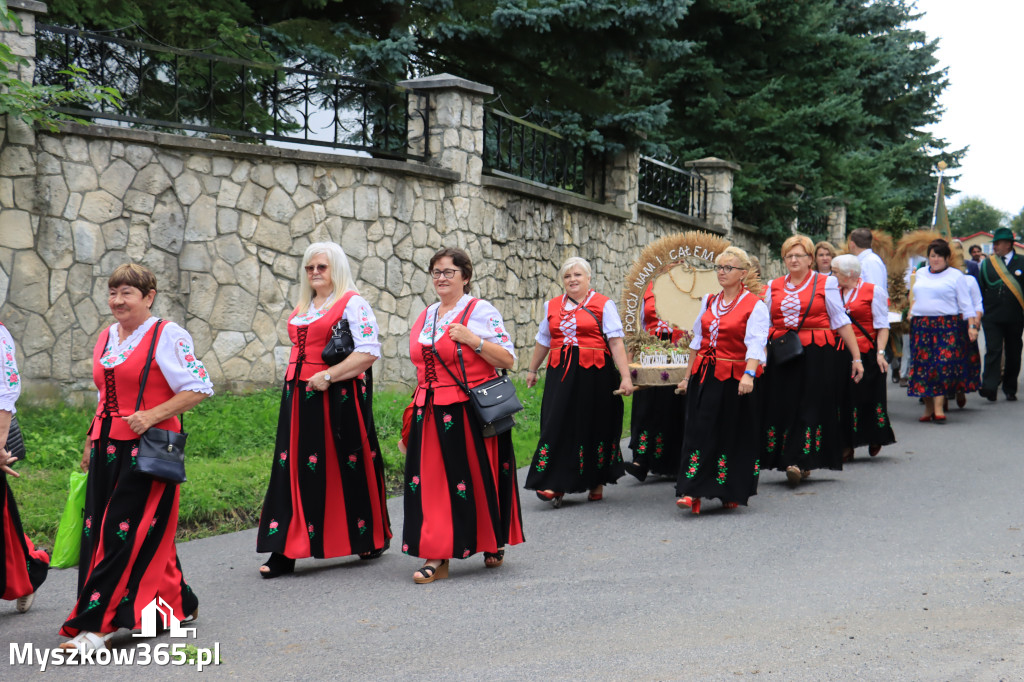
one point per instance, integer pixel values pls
(175, 355)
(361, 322)
(611, 324)
(872, 269)
(943, 293)
(758, 325)
(879, 303)
(975, 291)
(10, 379)
(833, 302)
(485, 321)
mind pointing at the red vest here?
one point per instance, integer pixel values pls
(589, 336)
(859, 309)
(817, 328)
(653, 325)
(119, 389)
(730, 352)
(309, 341)
(431, 375)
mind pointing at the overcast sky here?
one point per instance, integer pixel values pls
(980, 42)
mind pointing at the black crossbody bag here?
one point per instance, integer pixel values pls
(161, 452)
(494, 402)
(15, 443)
(786, 348)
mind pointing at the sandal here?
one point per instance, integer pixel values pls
(376, 553)
(87, 641)
(551, 496)
(277, 564)
(692, 502)
(25, 603)
(428, 574)
(730, 505)
(874, 449)
(637, 471)
(494, 559)
(793, 475)
(595, 497)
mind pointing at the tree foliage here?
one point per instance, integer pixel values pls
(974, 214)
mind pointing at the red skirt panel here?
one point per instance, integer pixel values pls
(23, 567)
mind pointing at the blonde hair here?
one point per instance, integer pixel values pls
(814, 254)
(341, 272)
(752, 281)
(798, 240)
(573, 262)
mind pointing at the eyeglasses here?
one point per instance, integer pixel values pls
(727, 268)
(795, 256)
(447, 274)
(319, 267)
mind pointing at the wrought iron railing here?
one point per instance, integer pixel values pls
(166, 88)
(812, 220)
(528, 151)
(673, 188)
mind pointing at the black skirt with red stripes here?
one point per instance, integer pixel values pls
(326, 496)
(23, 567)
(128, 557)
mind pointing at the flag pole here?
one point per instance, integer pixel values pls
(941, 167)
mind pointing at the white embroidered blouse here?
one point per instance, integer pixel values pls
(10, 379)
(174, 354)
(611, 323)
(485, 321)
(754, 338)
(361, 322)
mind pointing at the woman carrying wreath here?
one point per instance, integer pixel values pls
(128, 557)
(326, 496)
(722, 442)
(658, 413)
(461, 493)
(867, 418)
(801, 429)
(581, 413)
(23, 566)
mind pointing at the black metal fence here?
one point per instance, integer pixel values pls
(673, 188)
(812, 220)
(166, 88)
(528, 151)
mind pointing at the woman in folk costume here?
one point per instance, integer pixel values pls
(721, 449)
(23, 567)
(801, 429)
(461, 493)
(581, 414)
(128, 556)
(326, 496)
(972, 354)
(868, 307)
(658, 413)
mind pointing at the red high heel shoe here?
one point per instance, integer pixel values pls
(730, 505)
(693, 504)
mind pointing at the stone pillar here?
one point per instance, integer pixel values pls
(837, 223)
(719, 175)
(623, 181)
(455, 135)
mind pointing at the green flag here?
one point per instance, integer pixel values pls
(941, 217)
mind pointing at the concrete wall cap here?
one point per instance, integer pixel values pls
(712, 163)
(447, 81)
(28, 6)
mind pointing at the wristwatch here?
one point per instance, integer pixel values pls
(750, 373)
(327, 377)
(479, 349)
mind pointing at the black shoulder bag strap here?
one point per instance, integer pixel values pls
(458, 348)
(874, 341)
(145, 371)
(814, 290)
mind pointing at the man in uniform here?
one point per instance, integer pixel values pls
(1002, 292)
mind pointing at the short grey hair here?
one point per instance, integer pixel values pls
(572, 262)
(847, 265)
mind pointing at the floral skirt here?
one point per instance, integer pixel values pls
(23, 567)
(128, 557)
(656, 429)
(580, 428)
(938, 349)
(326, 496)
(721, 449)
(869, 412)
(972, 361)
(801, 425)
(461, 493)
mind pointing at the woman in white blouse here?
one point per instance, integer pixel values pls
(721, 447)
(128, 556)
(23, 567)
(939, 298)
(461, 494)
(326, 496)
(581, 414)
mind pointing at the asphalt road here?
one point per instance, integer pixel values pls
(907, 566)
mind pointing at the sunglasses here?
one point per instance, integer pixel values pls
(320, 267)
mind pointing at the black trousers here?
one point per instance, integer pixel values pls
(997, 336)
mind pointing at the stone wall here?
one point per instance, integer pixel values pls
(224, 225)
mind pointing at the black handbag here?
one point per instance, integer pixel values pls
(494, 402)
(788, 347)
(161, 452)
(340, 345)
(15, 443)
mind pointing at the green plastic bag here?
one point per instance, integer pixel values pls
(69, 533)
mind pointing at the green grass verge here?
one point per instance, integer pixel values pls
(230, 446)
